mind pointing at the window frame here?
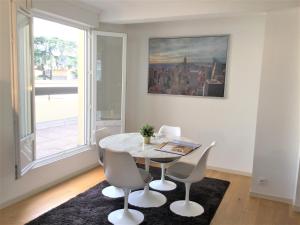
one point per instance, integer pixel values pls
(87, 93)
(19, 171)
(94, 80)
(87, 111)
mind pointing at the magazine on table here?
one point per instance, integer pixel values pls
(177, 147)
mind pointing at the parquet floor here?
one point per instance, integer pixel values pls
(237, 207)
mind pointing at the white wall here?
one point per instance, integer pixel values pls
(11, 189)
(276, 155)
(231, 121)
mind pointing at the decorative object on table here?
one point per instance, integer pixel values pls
(147, 131)
(177, 147)
(188, 65)
(92, 208)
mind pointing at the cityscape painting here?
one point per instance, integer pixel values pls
(188, 65)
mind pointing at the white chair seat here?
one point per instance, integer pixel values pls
(168, 160)
(163, 184)
(188, 173)
(110, 191)
(121, 171)
(180, 171)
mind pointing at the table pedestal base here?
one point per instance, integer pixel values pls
(122, 217)
(188, 209)
(162, 185)
(146, 198)
(113, 192)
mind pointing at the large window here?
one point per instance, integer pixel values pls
(59, 87)
(50, 90)
(67, 83)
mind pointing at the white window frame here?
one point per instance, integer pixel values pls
(87, 86)
(19, 172)
(94, 83)
(87, 80)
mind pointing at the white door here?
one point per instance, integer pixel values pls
(109, 80)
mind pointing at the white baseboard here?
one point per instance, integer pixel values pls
(229, 171)
(271, 197)
(47, 186)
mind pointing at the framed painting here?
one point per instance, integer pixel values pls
(194, 66)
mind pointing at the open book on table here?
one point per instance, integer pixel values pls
(177, 147)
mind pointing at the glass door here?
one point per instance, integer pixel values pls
(59, 80)
(23, 95)
(109, 81)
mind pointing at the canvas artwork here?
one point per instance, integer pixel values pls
(188, 65)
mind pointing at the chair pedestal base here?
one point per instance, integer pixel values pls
(131, 217)
(147, 199)
(113, 192)
(190, 209)
(162, 185)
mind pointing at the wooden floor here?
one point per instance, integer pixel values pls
(237, 208)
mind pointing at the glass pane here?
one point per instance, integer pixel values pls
(109, 78)
(59, 65)
(25, 94)
(24, 75)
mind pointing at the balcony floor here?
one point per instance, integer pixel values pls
(55, 139)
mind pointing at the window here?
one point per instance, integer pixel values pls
(59, 76)
(110, 67)
(50, 91)
(58, 103)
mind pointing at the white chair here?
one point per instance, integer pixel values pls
(110, 191)
(163, 184)
(121, 171)
(189, 173)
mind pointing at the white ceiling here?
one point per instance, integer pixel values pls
(137, 11)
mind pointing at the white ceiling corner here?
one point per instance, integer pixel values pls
(137, 11)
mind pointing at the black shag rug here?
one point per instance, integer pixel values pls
(92, 208)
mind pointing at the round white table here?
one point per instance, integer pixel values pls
(134, 145)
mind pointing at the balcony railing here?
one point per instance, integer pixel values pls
(53, 87)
